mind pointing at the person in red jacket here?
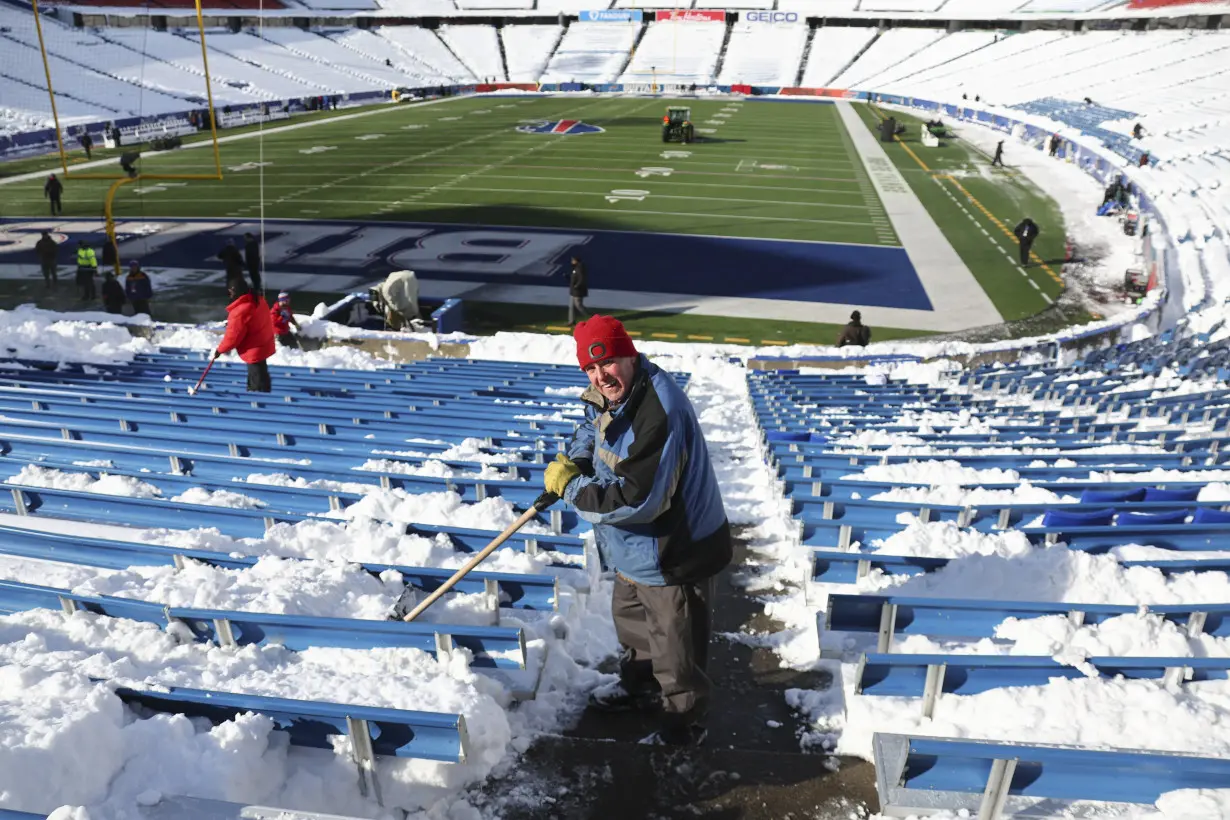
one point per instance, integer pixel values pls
(283, 318)
(249, 332)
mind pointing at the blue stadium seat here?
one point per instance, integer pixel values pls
(923, 775)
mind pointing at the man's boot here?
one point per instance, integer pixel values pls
(614, 697)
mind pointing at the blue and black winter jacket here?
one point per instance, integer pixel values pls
(652, 497)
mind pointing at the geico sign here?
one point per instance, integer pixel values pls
(771, 16)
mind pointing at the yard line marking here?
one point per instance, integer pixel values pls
(498, 131)
(675, 182)
(736, 339)
(665, 335)
(700, 338)
(254, 134)
(623, 192)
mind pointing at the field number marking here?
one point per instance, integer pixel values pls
(620, 194)
(162, 186)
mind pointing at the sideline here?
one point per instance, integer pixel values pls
(99, 163)
(954, 292)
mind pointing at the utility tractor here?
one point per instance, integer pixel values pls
(677, 125)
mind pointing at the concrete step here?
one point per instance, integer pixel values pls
(751, 767)
(591, 779)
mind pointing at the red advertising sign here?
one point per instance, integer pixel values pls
(1157, 4)
(693, 15)
(820, 92)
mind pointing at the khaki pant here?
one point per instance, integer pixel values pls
(664, 636)
(576, 307)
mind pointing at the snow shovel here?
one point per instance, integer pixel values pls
(192, 391)
(540, 505)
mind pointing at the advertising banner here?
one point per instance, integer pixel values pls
(769, 16)
(840, 93)
(612, 16)
(1157, 4)
(693, 15)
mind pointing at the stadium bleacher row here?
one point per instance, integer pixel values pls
(1123, 462)
(1062, 429)
(334, 428)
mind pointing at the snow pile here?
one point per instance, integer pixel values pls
(206, 339)
(32, 475)
(957, 496)
(88, 337)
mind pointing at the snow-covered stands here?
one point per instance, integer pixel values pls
(868, 460)
(471, 423)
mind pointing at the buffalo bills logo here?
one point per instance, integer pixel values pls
(597, 351)
(559, 127)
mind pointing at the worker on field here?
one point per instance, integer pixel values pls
(855, 332)
(128, 161)
(252, 260)
(87, 143)
(53, 189)
(232, 261)
(48, 251)
(112, 293)
(578, 289)
(87, 266)
(139, 289)
(1026, 233)
(999, 155)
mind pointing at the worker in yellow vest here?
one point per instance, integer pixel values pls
(87, 266)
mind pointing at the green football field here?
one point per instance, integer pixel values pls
(760, 170)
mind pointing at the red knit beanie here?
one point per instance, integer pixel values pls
(601, 337)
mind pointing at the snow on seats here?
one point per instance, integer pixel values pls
(527, 49)
(478, 47)
(423, 46)
(889, 49)
(674, 52)
(591, 53)
(832, 49)
(763, 54)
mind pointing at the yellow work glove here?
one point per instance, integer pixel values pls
(559, 473)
